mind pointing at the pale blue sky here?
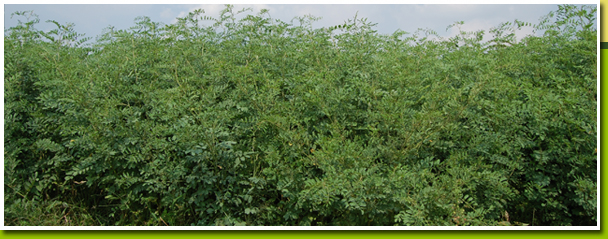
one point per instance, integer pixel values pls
(91, 19)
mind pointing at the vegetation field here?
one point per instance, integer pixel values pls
(248, 120)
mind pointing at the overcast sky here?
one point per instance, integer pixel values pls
(91, 19)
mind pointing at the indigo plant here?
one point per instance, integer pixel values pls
(249, 120)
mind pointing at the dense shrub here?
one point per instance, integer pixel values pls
(248, 120)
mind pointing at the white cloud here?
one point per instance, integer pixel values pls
(167, 13)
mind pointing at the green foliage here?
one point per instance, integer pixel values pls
(24, 212)
(253, 121)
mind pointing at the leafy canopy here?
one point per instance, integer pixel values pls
(248, 120)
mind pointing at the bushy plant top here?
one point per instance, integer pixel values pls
(248, 120)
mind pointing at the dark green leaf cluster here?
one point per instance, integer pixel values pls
(248, 120)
